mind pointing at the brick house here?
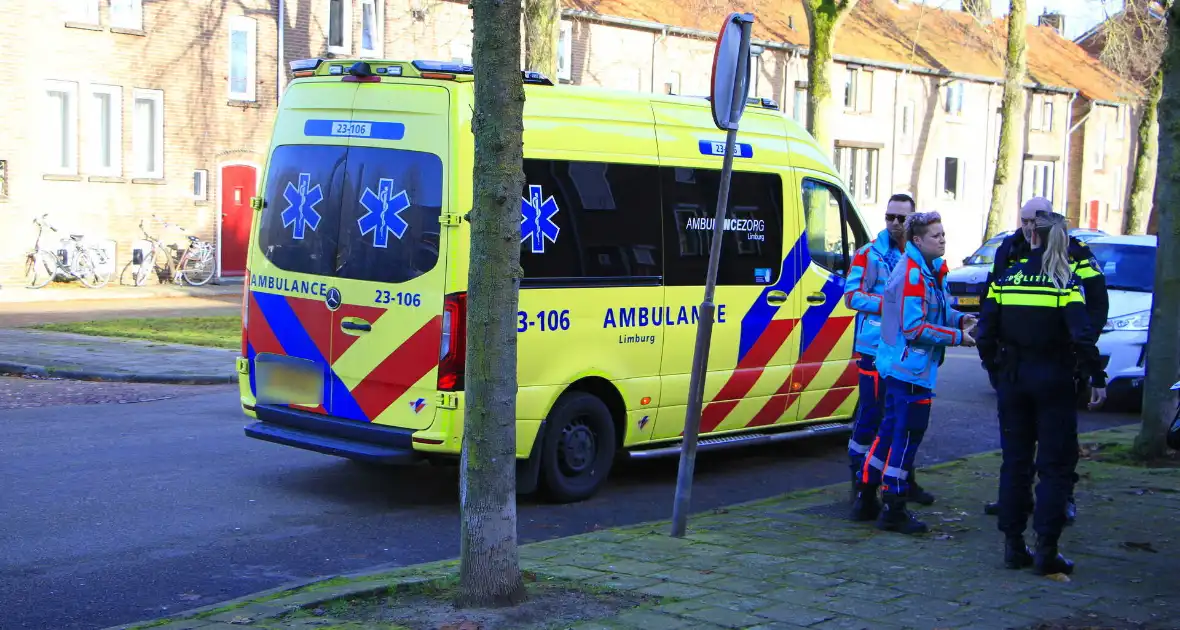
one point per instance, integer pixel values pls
(166, 107)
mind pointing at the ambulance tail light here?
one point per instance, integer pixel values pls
(245, 311)
(452, 352)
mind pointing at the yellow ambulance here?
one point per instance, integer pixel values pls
(354, 309)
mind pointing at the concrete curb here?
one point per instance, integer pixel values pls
(22, 369)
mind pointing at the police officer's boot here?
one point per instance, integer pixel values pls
(895, 518)
(1047, 560)
(916, 493)
(865, 506)
(1017, 555)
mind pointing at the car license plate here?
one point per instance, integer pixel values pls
(969, 301)
(287, 380)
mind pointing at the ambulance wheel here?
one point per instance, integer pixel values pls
(579, 447)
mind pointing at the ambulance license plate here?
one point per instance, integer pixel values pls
(283, 380)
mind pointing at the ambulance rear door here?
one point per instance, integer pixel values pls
(386, 331)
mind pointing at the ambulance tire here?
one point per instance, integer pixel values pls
(578, 449)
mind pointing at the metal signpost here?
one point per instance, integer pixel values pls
(730, 85)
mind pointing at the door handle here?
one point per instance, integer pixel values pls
(360, 326)
(817, 298)
(776, 297)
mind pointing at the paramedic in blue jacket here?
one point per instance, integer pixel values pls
(871, 266)
(917, 325)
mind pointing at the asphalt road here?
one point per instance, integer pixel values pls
(112, 513)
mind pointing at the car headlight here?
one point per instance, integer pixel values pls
(1133, 321)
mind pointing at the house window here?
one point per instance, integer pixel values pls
(1047, 115)
(954, 98)
(1039, 180)
(672, 84)
(147, 140)
(565, 61)
(372, 33)
(950, 178)
(1120, 120)
(1116, 193)
(339, 27)
(61, 139)
(106, 125)
(1100, 147)
(800, 103)
(84, 11)
(858, 90)
(200, 185)
(906, 139)
(127, 14)
(858, 169)
(243, 58)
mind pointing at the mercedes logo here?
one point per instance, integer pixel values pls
(333, 299)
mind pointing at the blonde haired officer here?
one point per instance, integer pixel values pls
(1035, 333)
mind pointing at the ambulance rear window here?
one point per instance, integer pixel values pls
(361, 213)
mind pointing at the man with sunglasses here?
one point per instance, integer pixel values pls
(871, 267)
(1085, 266)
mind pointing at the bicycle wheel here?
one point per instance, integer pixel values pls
(88, 272)
(40, 268)
(138, 274)
(198, 266)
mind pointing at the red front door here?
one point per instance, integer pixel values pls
(1093, 214)
(238, 183)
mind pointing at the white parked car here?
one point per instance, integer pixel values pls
(1128, 262)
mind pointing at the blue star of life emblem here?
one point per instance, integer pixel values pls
(301, 202)
(384, 213)
(536, 220)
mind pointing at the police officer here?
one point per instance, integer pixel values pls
(1088, 271)
(1035, 333)
(870, 270)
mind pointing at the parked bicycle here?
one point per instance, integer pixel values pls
(193, 265)
(73, 260)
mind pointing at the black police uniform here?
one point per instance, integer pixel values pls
(1014, 247)
(1037, 338)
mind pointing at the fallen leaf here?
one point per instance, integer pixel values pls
(1058, 577)
(943, 537)
(189, 597)
(241, 619)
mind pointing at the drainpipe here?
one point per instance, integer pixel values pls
(654, 44)
(281, 75)
(1065, 158)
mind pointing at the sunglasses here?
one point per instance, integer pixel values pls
(899, 218)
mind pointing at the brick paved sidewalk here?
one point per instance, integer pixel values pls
(794, 562)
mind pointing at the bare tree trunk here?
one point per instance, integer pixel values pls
(1143, 185)
(489, 569)
(1012, 117)
(541, 32)
(823, 20)
(1163, 347)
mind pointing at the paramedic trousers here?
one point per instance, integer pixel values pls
(868, 413)
(891, 457)
(1038, 434)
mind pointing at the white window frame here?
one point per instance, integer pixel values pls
(131, 19)
(83, 12)
(940, 179)
(115, 146)
(53, 165)
(1120, 120)
(1047, 114)
(249, 26)
(1040, 180)
(852, 164)
(961, 88)
(200, 185)
(156, 96)
(908, 118)
(1035, 111)
(378, 34)
(1117, 190)
(345, 29)
(1100, 147)
(565, 48)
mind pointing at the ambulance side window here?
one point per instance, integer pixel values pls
(590, 224)
(829, 239)
(752, 250)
